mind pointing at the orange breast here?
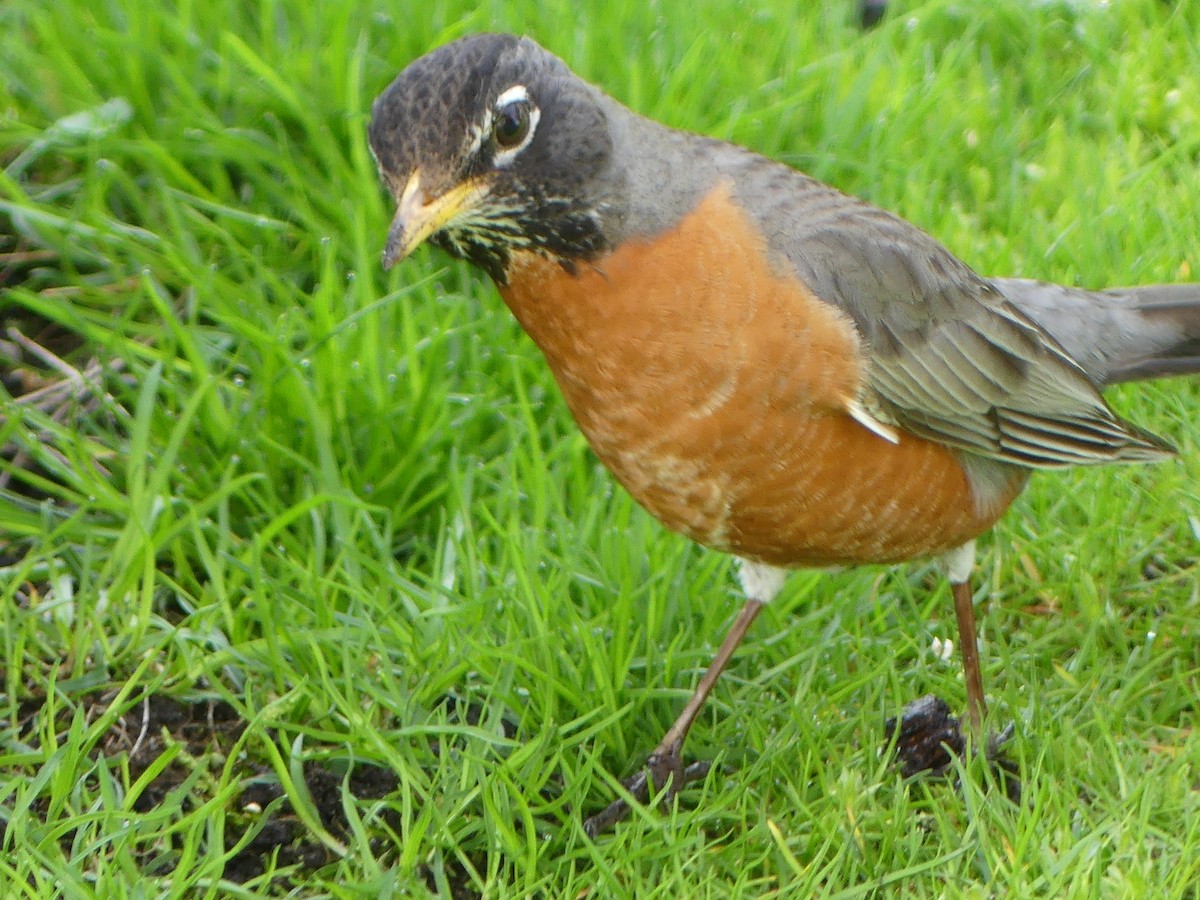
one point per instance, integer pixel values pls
(714, 387)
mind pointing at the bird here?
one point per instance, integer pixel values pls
(774, 368)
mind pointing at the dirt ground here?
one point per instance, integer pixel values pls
(209, 730)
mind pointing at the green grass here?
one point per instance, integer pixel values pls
(331, 497)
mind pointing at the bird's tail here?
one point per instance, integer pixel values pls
(1123, 334)
(1173, 310)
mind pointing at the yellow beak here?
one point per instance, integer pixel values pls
(418, 217)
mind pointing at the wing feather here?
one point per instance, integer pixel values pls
(950, 358)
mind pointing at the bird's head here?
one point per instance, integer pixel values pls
(491, 145)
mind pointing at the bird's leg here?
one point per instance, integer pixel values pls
(664, 766)
(964, 611)
(666, 762)
(959, 564)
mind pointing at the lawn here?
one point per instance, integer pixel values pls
(309, 586)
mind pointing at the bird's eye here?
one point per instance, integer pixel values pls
(513, 121)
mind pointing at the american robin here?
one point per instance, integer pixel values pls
(769, 366)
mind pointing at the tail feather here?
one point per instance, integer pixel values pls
(1123, 334)
(1173, 308)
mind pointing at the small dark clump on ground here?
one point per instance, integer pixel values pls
(928, 739)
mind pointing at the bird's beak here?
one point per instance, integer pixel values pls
(418, 217)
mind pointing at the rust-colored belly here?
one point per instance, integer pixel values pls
(715, 389)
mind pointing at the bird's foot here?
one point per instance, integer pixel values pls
(663, 769)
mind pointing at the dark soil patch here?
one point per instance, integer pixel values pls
(210, 729)
(261, 815)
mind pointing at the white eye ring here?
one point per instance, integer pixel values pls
(518, 93)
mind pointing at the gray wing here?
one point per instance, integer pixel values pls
(951, 359)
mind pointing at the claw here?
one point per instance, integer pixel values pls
(662, 769)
